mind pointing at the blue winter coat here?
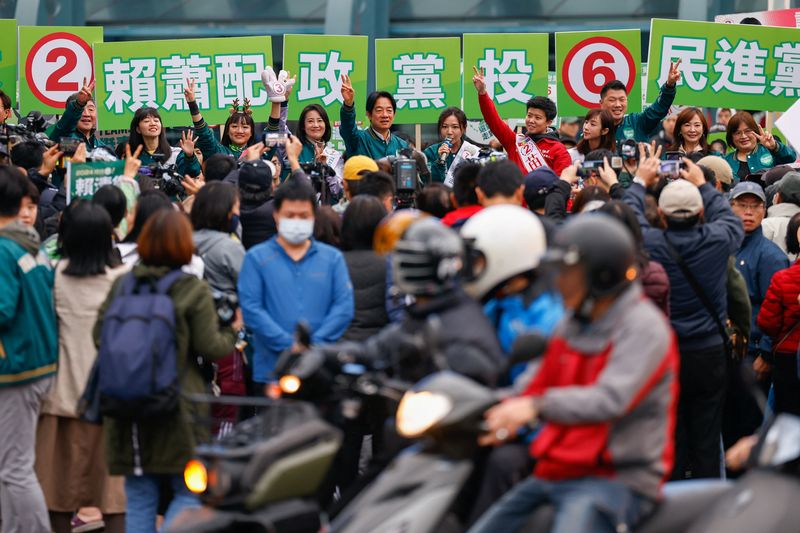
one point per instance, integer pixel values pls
(758, 259)
(705, 248)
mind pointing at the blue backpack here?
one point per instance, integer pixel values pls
(137, 360)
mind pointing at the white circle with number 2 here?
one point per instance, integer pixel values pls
(59, 68)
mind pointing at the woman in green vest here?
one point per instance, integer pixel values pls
(441, 156)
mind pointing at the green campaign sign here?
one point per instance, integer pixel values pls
(726, 65)
(85, 178)
(318, 61)
(54, 61)
(131, 75)
(8, 58)
(515, 67)
(424, 75)
(587, 60)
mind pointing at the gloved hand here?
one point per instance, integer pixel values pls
(278, 88)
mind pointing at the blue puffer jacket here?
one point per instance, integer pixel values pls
(758, 259)
(705, 249)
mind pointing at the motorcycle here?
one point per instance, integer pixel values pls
(417, 491)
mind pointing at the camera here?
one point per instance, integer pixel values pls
(165, 178)
(323, 178)
(226, 305)
(406, 177)
(69, 145)
(670, 169)
(30, 128)
(274, 139)
(628, 149)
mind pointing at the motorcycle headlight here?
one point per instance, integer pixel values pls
(195, 476)
(419, 411)
(289, 384)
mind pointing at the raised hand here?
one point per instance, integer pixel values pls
(187, 143)
(278, 87)
(80, 154)
(348, 93)
(766, 139)
(49, 160)
(692, 173)
(188, 90)
(132, 161)
(608, 176)
(649, 163)
(85, 94)
(254, 152)
(192, 185)
(674, 75)
(479, 80)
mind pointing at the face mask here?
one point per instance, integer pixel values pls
(296, 230)
(234, 224)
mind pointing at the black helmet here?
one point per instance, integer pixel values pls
(427, 259)
(605, 249)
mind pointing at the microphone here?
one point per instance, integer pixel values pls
(443, 156)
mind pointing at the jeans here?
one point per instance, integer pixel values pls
(142, 493)
(587, 504)
(703, 382)
(21, 499)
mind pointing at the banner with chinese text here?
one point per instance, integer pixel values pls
(318, 61)
(131, 75)
(726, 65)
(424, 75)
(85, 178)
(515, 67)
(8, 58)
(53, 62)
(587, 60)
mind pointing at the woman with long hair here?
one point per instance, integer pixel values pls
(70, 453)
(598, 133)
(147, 131)
(690, 134)
(445, 156)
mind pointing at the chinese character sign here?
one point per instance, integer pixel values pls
(54, 61)
(8, 57)
(515, 66)
(423, 75)
(131, 75)
(588, 60)
(319, 61)
(85, 178)
(726, 65)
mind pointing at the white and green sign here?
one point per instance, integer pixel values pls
(515, 68)
(131, 75)
(85, 178)
(423, 75)
(726, 65)
(319, 61)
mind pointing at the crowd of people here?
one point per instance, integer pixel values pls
(655, 284)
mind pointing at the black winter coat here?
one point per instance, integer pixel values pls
(368, 275)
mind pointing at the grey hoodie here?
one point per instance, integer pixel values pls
(774, 226)
(223, 255)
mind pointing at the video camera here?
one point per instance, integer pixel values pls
(410, 170)
(323, 178)
(164, 177)
(30, 128)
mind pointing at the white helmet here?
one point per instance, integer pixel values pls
(503, 241)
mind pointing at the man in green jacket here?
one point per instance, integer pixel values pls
(28, 356)
(79, 119)
(375, 142)
(638, 126)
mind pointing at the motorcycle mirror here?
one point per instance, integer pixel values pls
(527, 347)
(302, 333)
(780, 443)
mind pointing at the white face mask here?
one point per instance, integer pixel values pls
(296, 230)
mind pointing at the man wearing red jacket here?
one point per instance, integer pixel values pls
(607, 391)
(539, 147)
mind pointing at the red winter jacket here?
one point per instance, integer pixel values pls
(608, 392)
(554, 152)
(780, 311)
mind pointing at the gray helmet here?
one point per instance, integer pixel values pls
(428, 259)
(603, 246)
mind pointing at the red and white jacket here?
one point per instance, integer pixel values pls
(554, 152)
(608, 392)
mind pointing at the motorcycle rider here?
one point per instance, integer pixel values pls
(606, 390)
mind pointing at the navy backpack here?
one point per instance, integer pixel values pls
(137, 374)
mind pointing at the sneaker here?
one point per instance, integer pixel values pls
(79, 526)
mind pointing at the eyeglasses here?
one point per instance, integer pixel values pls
(748, 207)
(743, 133)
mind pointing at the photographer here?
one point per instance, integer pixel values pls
(79, 119)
